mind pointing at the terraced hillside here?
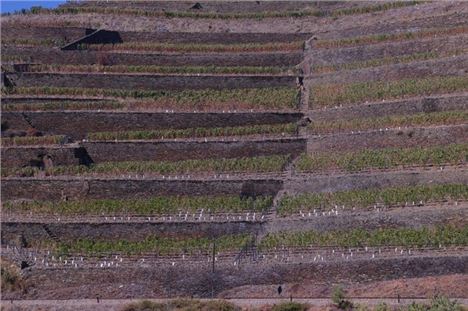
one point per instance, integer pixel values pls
(221, 149)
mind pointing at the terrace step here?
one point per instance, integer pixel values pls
(77, 124)
(445, 66)
(408, 106)
(54, 189)
(348, 219)
(406, 137)
(303, 183)
(44, 55)
(349, 55)
(62, 231)
(148, 81)
(98, 152)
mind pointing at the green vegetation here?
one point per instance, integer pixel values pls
(271, 98)
(372, 39)
(33, 42)
(326, 95)
(198, 47)
(421, 237)
(158, 244)
(262, 129)
(290, 306)
(262, 164)
(407, 237)
(151, 206)
(438, 303)
(182, 305)
(339, 299)
(372, 8)
(11, 279)
(217, 15)
(33, 140)
(163, 69)
(402, 59)
(364, 198)
(177, 14)
(384, 158)
(419, 119)
(63, 105)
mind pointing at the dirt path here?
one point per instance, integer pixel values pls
(117, 304)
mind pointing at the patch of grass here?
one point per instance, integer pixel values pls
(64, 105)
(198, 47)
(158, 244)
(163, 69)
(33, 140)
(262, 164)
(262, 129)
(364, 198)
(419, 119)
(375, 62)
(453, 154)
(280, 97)
(162, 205)
(421, 237)
(326, 95)
(182, 305)
(406, 36)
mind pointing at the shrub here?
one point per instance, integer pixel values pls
(11, 279)
(338, 298)
(182, 305)
(290, 306)
(382, 307)
(441, 303)
(414, 306)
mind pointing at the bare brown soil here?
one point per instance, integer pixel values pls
(455, 285)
